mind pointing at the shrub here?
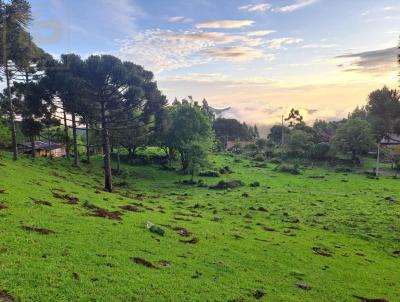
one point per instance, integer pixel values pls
(255, 184)
(223, 185)
(225, 170)
(209, 174)
(259, 157)
(320, 151)
(261, 165)
(288, 169)
(277, 161)
(343, 170)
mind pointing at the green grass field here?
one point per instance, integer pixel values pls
(320, 236)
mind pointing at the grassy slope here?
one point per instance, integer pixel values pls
(89, 258)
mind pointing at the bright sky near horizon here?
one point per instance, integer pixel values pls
(259, 57)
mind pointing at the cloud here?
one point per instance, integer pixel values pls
(260, 33)
(224, 24)
(237, 54)
(299, 4)
(377, 62)
(180, 19)
(261, 7)
(162, 50)
(319, 45)
(281, 42)
(121, 13)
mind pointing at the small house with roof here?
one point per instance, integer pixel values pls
(43, 148)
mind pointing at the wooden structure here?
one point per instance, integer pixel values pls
(43, 148)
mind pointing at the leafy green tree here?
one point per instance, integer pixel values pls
(354, 136)
(189, 127)
(275, 134)
(299, 142)
(324, 131)
(294, 118)
(384, 111)
(231, 130)
(115, 89)
(320, 151)
(15, 17)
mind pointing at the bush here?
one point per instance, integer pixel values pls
(209, 174)
(259, 157)
(320, 151)
(261, 165)
(277, 161)
(223, 185)
(225, 170)
(343, 170)
(288, 169)
(255, 184)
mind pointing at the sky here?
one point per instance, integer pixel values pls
(261, 58)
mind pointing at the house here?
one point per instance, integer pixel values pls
(44, 148)
(390, 140)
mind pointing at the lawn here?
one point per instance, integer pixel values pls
(320, 236)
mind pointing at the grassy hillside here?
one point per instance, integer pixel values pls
(319, 236)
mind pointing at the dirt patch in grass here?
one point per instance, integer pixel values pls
(103, 213)
(3, 206)
(182, 231)
(370, 300)
(73, 201)
(322, 251)
(5, 297)
(144, 262)
(130, 208)
(164, 263)
(268, 229)
(304, 287)
(41, 231)
(194, 240)
(41, 202)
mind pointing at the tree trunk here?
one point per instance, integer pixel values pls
(118, 160)
(185, 162)
(12, 117)
(33, 146)
(75, 140)
(106, 151)
(354, 156)
(66, 136)
(87, 143)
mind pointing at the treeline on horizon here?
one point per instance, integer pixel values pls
(102, 104)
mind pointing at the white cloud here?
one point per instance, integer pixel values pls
(281, 42)
(162, 50)
(225, 24)
(237, 54)
(180, 19)
(260, 33)
(261, 7)
(319, 45)
(122, 13)
(377, 62)
(299, 4)
(391, 8)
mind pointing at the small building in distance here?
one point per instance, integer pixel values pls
(390, 140)
(43, 148)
